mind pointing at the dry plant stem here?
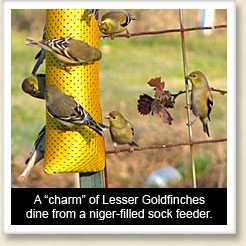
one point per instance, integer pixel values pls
(220, 91)
(187, 99)
(166, 146)
(166, 31)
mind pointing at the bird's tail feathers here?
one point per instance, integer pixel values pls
(30, 163)
(97, 127)
(94, 12)
(129, 18)
(40, 56)
(205, 128)
(134, 144)
(33, 155)
(103, 126)
(33, 43)
(42, 44)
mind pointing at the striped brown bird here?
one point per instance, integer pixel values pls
(68, 112)
(69, 50)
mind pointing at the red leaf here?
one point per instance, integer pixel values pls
(166, 117)
(144, 104)
(156, 106)
(155, 82)
(159, 86)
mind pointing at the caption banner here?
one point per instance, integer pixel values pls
(118, 206)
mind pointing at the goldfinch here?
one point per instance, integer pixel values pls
(201, 98)
(69, 50)
(68, 112)
(37, 154)
(115, 22)
(34, 85)
(40, 56)
(121, 130)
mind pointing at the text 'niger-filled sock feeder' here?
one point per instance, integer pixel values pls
(83, 150)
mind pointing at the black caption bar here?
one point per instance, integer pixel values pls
(118, 206)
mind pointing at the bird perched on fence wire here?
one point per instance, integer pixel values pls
(68, 112)
(35, 85)
(68, 50)
(121, 130)
(40, 56)
(37, 154)
(201, 98)
(115, 22)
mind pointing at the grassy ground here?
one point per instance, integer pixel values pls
(126, 67)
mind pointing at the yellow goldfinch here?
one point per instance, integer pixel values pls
(201, 98)
(36, 154)
(68, 112)
(69, 50)
(115, 22)
(34, 85)
(121, 130)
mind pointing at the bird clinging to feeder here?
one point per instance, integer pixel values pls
(34, 85)
(69, 50)
(68, 112)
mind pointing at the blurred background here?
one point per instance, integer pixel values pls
(126, 67)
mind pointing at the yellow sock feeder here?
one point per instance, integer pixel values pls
(81, 150)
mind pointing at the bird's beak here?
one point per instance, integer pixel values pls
(187, 77)
(107, 116)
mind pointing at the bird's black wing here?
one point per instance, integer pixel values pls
(86, 119)
(210, 104)
(37, 142)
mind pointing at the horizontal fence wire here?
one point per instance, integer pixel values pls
(166, 146)
(167, 31)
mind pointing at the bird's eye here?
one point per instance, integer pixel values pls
(114, 117)
(193, 75)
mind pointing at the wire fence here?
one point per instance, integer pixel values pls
(191, 143)
(166, 146)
